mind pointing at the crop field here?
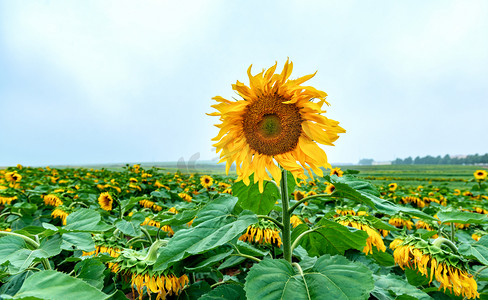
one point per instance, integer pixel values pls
(146, 233)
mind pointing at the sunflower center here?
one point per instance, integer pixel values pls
(270, 126)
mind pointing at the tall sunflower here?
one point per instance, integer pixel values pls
(275, 122)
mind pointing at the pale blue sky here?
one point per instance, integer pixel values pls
(130, 81)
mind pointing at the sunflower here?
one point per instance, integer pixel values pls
(295, 221)
(457, 192)
(185, 197)
(447, 268)
(298, 195)
(336, 171)
(276, 121)
(61, 214)
(52, 200)
(400, 222)
(206, 181)
(480, 174)
(13, 177)
(392, 187)
(330, 188)
(7, 200)
(264, 232)
(374, 237)
(105, 201)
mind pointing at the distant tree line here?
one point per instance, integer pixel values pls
(443, 160)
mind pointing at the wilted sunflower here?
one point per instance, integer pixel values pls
(374, 237)
(61, 214)
(185, 197)
(447, 268)
(480, 174)
(264, 232)
(206, 181)
(105, 201)
(7, 200)
(275, 122)
(52, 200)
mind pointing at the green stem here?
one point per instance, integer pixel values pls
(307, 199)
(297, 240)
(272, 220)
(146, 233)
(443, 241)
(286, 217)
(78, 202)
(246, 256)
(32, 243)
(10, 213)
(452, 232)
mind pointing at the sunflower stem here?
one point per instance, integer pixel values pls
(278, 223)
(452, 232)
(443, 241)
(286, 217)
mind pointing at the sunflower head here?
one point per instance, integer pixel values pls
(13, 177)
(206, 181)
(392, 187)
(336, 171)
(330, 188)
(276, 122)
(480, 175)
(105, 201)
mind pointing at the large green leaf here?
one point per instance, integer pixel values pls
(333, 277)
(219, 227)
(78, 241)
(91, 271)
(463, 217)
(346, 188)
(14, 250)
(209, 262)
(227, 291)
(250, 198)
(129, 228)
(55, 285)
(477, 250)
(85, 219)
(194, 291)
(330, 238)
(392, 286)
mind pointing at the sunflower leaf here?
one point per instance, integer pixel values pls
(57, 286)
(334, 276)
(251, 199)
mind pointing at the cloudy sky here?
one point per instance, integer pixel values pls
(86, 82)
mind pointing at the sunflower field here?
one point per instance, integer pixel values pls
(141, 234)
(283, 228)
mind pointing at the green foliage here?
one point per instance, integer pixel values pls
(333, 276)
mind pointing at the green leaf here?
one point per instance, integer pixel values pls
(227, 291)
(333, 276)
(55, 285)
(85, 219)
(463, 217)
(91, 271)
(330, 238)
(290, 182)
(396, 286)
(129, 228)
(14, 250)
(477, 250)
(219, 227)
(194, 291)
(359, 192)
(231, 262)
(78, 240)
(209, 262)
(248, 249)
(250, 198)
(415, 278)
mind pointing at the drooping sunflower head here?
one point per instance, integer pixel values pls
(206, 181)
(275, 122)
(105, 201)
(480, 174)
